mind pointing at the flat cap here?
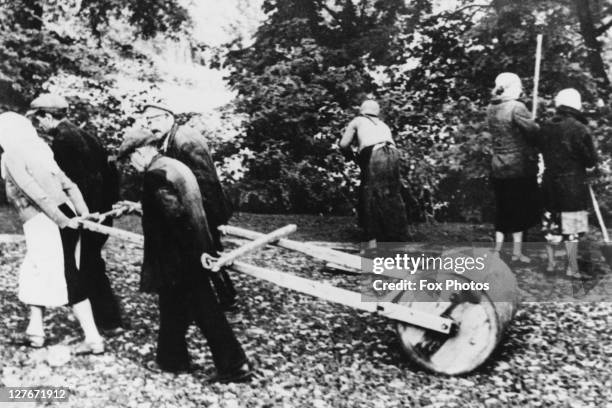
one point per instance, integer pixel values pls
(48, 103)
(133, 139)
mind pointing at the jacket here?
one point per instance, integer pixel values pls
(568, 150)
(35, 183)
(175, 227)
(513, 133)
(189, 147)
(85, 161)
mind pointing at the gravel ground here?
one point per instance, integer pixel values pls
(310, 353)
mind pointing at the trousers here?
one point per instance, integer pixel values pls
(195, 301)
(104, 303)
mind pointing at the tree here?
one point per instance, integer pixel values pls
(432, 69)
(296, 84)
(590, 33)
(149, 17)
(31, 51)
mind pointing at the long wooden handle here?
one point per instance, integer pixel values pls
(326, 254)
(114, 232)
(536, 76)
(321, 290)
(261, 241)
(604, 230)
(310, 287)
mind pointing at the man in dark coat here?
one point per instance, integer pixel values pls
(85, 161)
(176, 235)
(189, 147)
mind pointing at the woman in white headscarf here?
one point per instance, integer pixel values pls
(46, 201)
(568, 150)
(514, 164)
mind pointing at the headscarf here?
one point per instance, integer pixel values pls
(19, 140)
(370, 107)
(508, 86)
(16, 131)
(569, 97)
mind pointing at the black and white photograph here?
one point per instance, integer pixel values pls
(306, 203)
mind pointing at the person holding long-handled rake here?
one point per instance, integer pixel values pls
(568, 150)
(514, 164)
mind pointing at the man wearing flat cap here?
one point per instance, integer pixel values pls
(85, 161)
(186, 145)
(176, 234)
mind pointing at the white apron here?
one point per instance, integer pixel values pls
(41, 277)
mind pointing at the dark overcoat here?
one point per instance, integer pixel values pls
(175, 227)
(85, 161)
(568, 150)
(189, 147)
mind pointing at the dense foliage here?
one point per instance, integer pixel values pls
(296, 84)
(40, 38)
(305, 72)
(312, 63)
(68, 47)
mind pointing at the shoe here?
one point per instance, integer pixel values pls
(117, 331)
(575, 275)
(243, 374)
(234, 317)
(154, 367)
(30, 340)
(87, 347)
(521, 259)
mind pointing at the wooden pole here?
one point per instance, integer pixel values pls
(262, 241)
(536, 76)
(347, 298)
(353, 262)
(115, 232)
(604, 230)
(311, 287)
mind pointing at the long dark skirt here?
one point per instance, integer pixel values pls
(381, 209)
(518, 204)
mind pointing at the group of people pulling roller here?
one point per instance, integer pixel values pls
(55, 172)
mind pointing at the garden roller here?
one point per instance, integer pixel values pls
(451, 335)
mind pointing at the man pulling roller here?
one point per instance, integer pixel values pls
(188, 146)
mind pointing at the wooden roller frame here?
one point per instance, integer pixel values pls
(353, 262)
(303, 285)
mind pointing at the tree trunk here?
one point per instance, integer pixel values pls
(589, 34)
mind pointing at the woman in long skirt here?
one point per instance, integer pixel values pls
(381, 209)
(514, 165)
(47, 202)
